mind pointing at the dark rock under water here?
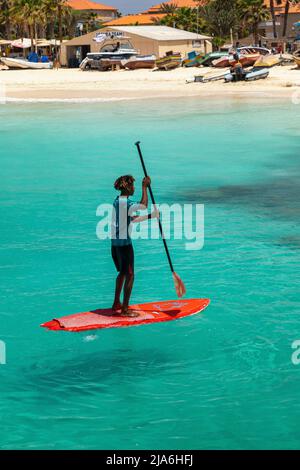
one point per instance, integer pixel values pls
(276, 198)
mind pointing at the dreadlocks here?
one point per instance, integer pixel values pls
(122, 183)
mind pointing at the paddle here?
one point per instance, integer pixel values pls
(179, 285)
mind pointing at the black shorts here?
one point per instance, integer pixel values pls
(123, 257)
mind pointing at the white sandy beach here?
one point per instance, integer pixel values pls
(70, 84)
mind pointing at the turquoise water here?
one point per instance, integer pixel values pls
(223, 379)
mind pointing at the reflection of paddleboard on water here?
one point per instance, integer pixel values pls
(147, 313)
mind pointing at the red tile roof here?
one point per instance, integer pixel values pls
(141, 19)
(88, 5)
(280, 5)
(178, 3)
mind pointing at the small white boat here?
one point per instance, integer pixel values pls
(139, 62)
(25, 64)
(296, 57)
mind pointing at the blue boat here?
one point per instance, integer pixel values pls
(193, 59)
(253, 74)
(257, 74)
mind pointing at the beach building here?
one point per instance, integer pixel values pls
(140, 19)
(153, 14)
(179, 4)
(292, 33)
(155, 40)
(103, 12)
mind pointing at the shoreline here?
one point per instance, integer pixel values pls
(73, 85)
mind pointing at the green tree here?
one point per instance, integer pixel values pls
(90, 21)
(253, 12)
(168, 8)
(272, 10)
(288, 3)
(221, 16)
(57, 15)
(184, 18)
(58, 12)
(5, 22)
(28, 14)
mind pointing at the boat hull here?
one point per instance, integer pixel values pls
(257, 75)
(208, 59)
(193, 61)
(297, 60)
(25, 64)
(253, 74)
(169, 62)
(266, 61)
(143, 62)
(246, 60)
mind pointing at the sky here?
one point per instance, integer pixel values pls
(129, 6)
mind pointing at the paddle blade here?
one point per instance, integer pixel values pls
(179, 286)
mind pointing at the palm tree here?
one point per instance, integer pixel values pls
(272, 10)
(90, 21)
(288, 3)
(59, 10)
(285, 18)
(28, 13)
(221, 16)
(56, 12)
(254, 12)
(168, 8)
(184, 18)
(4, 18)
(60, 6)
(48, 11)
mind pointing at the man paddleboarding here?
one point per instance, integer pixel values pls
(121, 244)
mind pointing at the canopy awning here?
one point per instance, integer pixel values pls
(23, 43)
(4, 42)
(42, 43)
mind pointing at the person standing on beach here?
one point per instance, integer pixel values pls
(121, 243)
(237, 69)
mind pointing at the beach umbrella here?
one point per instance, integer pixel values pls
(23, 43)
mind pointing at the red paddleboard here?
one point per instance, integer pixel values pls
(148, 313)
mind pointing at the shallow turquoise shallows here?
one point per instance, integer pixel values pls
(223, 379)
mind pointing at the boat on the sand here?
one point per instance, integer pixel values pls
(13, 63)
(170, 61)
(245, 59)
(267, 61)
(193, 59)
(249, 76)
(296, 57)
(139, 62)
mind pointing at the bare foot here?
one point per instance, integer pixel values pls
(129, 313)
(117, 307)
